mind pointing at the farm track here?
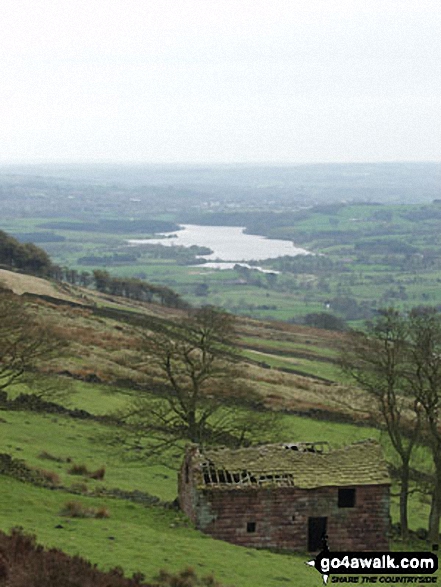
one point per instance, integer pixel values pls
(285, 353)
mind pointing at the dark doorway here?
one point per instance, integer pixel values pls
(316, 533)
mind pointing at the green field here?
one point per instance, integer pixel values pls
(375, 256)
(134, 536)
(373, 229)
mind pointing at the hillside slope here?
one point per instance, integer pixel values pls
(290, 366)
(68, 476)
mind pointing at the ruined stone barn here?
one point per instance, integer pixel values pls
(288, 496)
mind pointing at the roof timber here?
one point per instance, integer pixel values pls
(294, 464)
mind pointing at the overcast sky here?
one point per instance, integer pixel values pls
(220, 80)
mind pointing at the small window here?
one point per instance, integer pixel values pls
(346, 497)
(251, 526)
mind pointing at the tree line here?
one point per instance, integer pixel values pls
(33, 260)
(136, 289)
(24, 256)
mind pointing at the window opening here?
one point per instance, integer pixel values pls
(346, 497)
(251, 526)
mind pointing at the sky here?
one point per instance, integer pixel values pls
(220, 81)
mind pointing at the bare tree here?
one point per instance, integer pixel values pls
(200, 393)
(377, 359)
(24, 342)
(424, 375)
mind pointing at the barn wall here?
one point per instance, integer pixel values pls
(187, 493)
(280, 515)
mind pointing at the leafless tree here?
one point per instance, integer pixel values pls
(201, 394)
(424, 375)
(24, 341)
(377, 359)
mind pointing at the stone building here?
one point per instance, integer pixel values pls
(289, 496)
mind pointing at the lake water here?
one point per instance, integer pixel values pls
(228, 243)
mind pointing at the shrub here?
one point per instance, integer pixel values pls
(50, 476)
(75, 509)
(25, 563)
(102, 512)
(78, 470)
(98, 474)
(185, 578)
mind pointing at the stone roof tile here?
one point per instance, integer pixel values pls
(361, 463)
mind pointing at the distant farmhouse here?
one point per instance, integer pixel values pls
(289, 496)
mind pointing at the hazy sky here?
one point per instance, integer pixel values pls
(220, 80)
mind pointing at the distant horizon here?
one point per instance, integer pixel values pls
(200, 163)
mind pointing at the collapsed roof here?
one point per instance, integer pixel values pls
(302, 465)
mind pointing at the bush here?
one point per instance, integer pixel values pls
(78, 470)
(101, 513)
(186, 578)
(324, 320)
(75, 509)
(98, 474)
(50, 476)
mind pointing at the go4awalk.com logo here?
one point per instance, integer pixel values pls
(390, 565)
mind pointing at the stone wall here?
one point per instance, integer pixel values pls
(187, 493)
(277, 517)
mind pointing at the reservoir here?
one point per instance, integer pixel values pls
(227, 243)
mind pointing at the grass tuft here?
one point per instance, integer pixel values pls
(78, 470)
(185, 578)
(50, 476)
(75, 509)
(98, 474)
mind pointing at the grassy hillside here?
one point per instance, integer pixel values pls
(288, 363)
(143, 531)
(136, 536)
